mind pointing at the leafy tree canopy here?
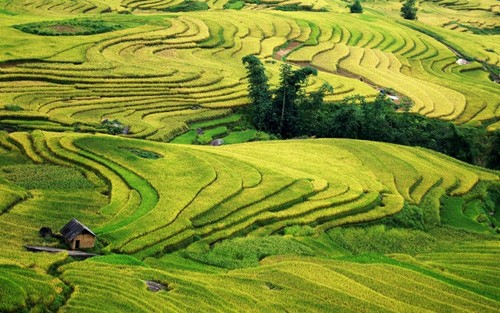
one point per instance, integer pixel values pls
(408, 10)
(356, 7)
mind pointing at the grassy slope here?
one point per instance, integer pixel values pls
(181, 216)
(151, 73)
(240, 189)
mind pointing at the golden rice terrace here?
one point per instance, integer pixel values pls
(96, 98)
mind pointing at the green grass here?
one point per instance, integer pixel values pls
(216, 122)
(470, 216)
(118, 259)
(45, 177)
(72, 27)
(24, 289)
(145, 154)
(240, 136)
(234, 5)
(187, 6)
(247, 252)
(383, 240)
(186, 138)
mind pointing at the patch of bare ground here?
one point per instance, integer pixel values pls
(281, 53)
(154, 286)
(167, 53)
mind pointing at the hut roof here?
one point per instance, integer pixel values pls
(217, 142)
(73, 229)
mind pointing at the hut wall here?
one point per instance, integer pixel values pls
(86, 241)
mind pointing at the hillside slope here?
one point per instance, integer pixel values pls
(167, 204)
(155, 72)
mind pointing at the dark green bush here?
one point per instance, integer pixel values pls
(13, 107)
(356, 7)
(72, 27)
(188, 6)
(408, 10)
(144, 153)
(410, 216)
(203, 139)
(234, 5)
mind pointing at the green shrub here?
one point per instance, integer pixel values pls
(13, 107)
(72, 27)
(144, 153)
(188, 6)
(203, 139)
(410, 216)
(262, 136)
(408, 10)
(356, 7)
(234, 5)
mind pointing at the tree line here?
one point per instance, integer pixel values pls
(287, 111)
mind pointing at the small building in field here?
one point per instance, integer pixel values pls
(77, 235)
(462, 62)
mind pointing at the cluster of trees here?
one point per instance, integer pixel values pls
(289, 112)
(408, 10)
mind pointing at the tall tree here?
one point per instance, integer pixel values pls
(408, 10)
(356, 7)
(287, 96)
(262, 113)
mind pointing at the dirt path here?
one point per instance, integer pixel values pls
(494, 77)
(339, 71)
(73, 253)
(281, 53)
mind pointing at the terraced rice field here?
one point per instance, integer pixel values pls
(199, 196)
(325, 285)
(163, 71)
(297, 225)
(234, 190)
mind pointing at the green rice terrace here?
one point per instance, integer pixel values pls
(134, 117)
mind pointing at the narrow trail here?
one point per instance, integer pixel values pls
(72, 253)
(281, 54)
(494, 77)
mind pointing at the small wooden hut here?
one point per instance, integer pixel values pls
(77, 235)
